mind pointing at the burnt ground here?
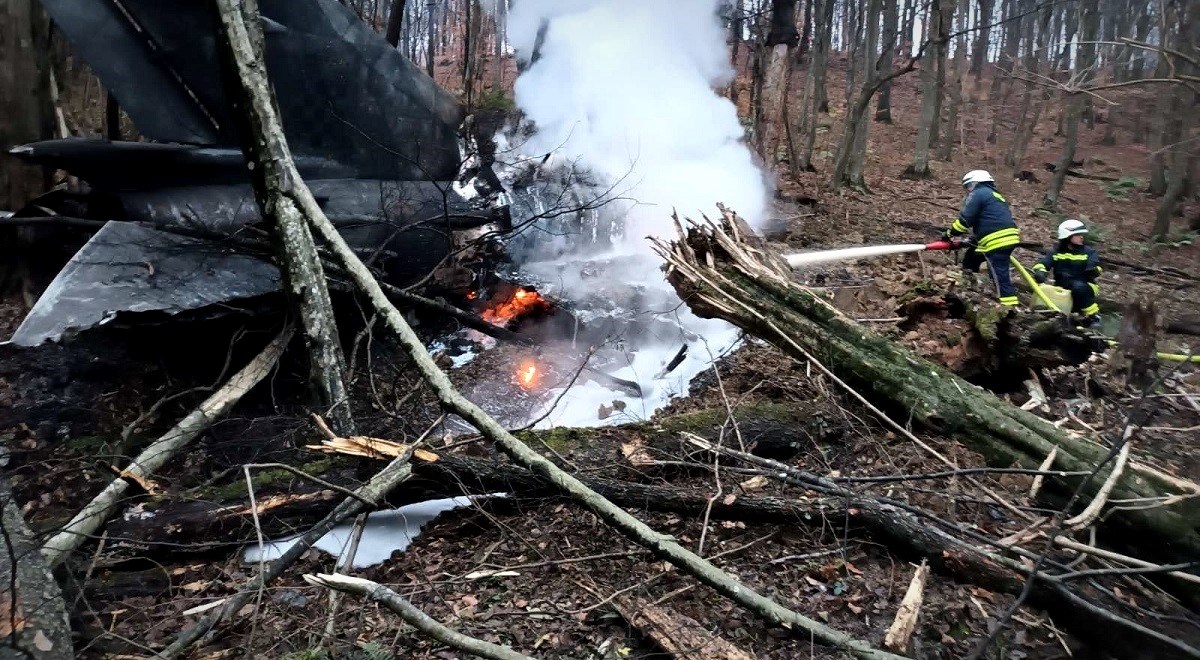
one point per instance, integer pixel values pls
(63, 411)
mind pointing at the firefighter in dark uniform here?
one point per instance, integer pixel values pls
(985, 214)
(1076, 268)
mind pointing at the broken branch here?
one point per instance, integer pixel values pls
(93, 515)
(378, 593)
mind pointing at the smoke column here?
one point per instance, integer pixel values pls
(624, 88)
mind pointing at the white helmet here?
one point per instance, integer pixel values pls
(977, 176)
(1070, 228)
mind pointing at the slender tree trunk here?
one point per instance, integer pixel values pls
(906, 26)
(822, 91)
(891, 18)
(955, 86)
(112, 117)
(1183, 119)
(26, 114)
(1089, 17)
(982, 40)
(1120, 64)
(276, 184)
(782, 39)
(853, 47)
(1070, 23)
(1035, 95)
(851, 157)
(501, 37)
(935, 57)
(1165, 119)
(736, 26)
(810, 103)
(431, 37)
(1002, 80)
(395, 19)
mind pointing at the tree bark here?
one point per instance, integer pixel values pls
(1035, 96)
(851, 156)
(891, 16)
(25, 110)
(724, 272)
(395, 20)
(736, 27)
(781, 40)
(1136, 360)
(982, 40)
(1089, 17)
(955, 85)
(276, 187)
(932, 66)
(810, 102)
(431, 37)
(33, 615)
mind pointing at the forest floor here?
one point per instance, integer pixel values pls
(567, 577)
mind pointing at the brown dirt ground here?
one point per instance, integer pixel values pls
(555, 608)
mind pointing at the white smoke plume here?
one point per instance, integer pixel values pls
(625, 88)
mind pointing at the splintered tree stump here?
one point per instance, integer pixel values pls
(724, 271)
(985, 342)
(1135, 360)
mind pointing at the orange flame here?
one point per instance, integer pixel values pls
(521, 302)
(528, 375)
(472, 295)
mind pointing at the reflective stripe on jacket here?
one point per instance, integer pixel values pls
(985, 214)
(1071, 263)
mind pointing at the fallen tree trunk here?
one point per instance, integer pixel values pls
(723, 271)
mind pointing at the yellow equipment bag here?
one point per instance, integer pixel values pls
(1056, 294)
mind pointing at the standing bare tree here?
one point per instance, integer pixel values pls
(782, 39)
(1180, 118)
(891, 19)
(1035, 95)
(805, 126)
(25, 111)
(932, 71)
(852, 152)
(395, 18)
(983, 34)
(1085, 59)
(954, 85)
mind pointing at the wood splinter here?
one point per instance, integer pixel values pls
(910, 608)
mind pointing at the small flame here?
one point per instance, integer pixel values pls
(528, 375)
(472, 295)
(521, 302)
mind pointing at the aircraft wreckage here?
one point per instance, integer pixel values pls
(375, 138)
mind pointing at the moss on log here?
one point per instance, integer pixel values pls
(723, 271)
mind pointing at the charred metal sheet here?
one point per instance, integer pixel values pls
(131, 268)
(344, 94)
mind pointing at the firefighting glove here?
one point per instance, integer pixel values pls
(1040, 276)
